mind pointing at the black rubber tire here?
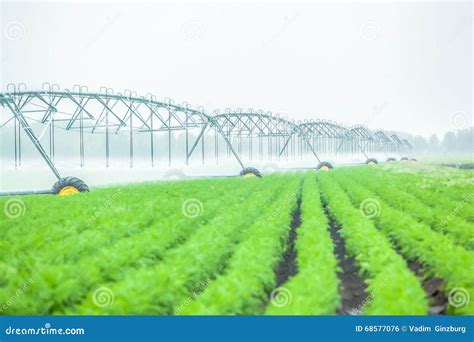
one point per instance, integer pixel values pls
(391, 159)
(323, 164)
(371, 160)
(69, 181)
(413, 159)
(251, 170)
(404, 159)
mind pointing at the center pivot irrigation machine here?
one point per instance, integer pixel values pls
(243, 135)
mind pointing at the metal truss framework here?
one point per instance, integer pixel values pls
(262, 134)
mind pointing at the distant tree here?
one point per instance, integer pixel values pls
(433, 143)
(449, 142)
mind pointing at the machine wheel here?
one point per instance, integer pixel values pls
(404, 159)
(250, 172)
(391, 159)
(371, 161)
(413, 159)
(69, 186)
(324, 166)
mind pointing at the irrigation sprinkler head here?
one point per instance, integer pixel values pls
(46, 86)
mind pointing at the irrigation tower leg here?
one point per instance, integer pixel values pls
(29, 132)
(229, 145)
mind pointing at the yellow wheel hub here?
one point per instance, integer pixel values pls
(324, 168)
(371, 163)
(68, 190)
(249, 175)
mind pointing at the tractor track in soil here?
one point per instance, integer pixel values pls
(352, 288)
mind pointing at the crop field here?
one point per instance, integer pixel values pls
(393, 239)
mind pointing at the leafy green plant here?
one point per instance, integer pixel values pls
(417, 241)
(314, 289)
(393, 289)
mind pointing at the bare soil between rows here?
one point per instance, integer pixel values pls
(433, 288)
(287, 266)
(352, 288)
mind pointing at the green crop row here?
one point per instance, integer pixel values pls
(314, 289)
(250, 275)
(387, 187)
(72, 280)
(435, 192)
(393, 289)
(160, 288)
(418, 242)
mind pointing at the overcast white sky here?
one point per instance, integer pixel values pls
(400, 66)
